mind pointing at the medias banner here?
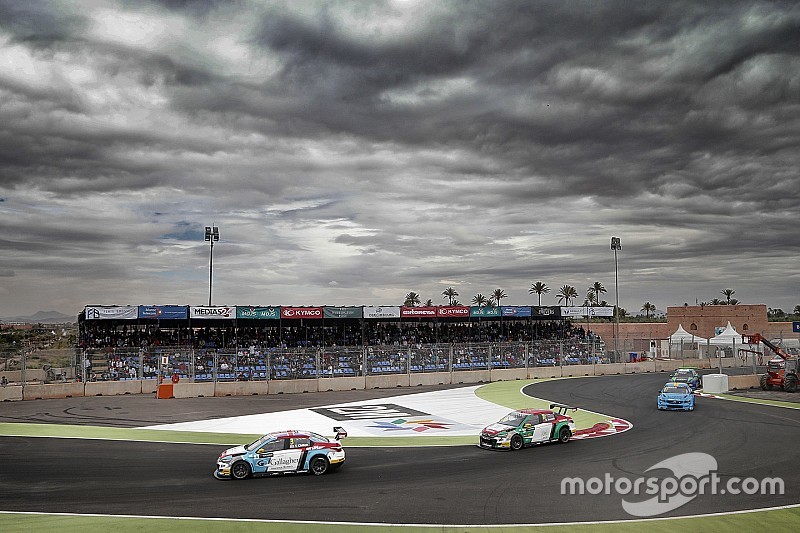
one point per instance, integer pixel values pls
(487, 311)
(163, 312)
(301, 312)
(516, 310)
(417, 312)
(204, 312)
(341, 312)
(452, 311)
(381, 312)
(246, 311)
(111, 312)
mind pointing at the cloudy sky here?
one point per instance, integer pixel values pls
(353, 151)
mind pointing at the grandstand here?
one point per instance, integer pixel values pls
(245, 343)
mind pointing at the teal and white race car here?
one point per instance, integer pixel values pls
(282, 452)
(528, 427)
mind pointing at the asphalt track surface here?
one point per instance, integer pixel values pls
(436, 485)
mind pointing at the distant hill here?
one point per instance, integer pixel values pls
(43, 317)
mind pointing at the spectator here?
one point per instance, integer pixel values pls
(4, 382)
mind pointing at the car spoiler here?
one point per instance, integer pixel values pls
(562, 409)
(340, 432)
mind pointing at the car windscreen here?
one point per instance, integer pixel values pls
(513, 419)
(316, 437)
(675, 390)
(258, 442)
(683, 373)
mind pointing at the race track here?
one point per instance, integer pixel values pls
(435, 485)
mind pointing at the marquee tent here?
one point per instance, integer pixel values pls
(727, 338)
(681, 336)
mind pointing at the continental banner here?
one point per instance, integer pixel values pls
(341, 312)
(163, 312)
(203, 312)
(111, 312)
(294, 313)
(250, 312)
(487, 311)
(452, 311)
(417, 312)
(516, 310)
(382, 312)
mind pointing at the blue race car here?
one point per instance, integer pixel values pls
(688, 376)
(677, 396)
(282, 452)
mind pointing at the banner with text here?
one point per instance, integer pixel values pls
(545, 312)
(293, 313)
(203, 312)
(488, 311)
(573, 312)
(163, 312)
(516, 310)
(250, 312)
(111, 312)
(382, 312)
(341, 312)
(417, 312)
(453, 311)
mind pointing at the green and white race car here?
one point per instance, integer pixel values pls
(527, 427)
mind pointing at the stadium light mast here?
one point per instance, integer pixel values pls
(212, 235)
(616, 245)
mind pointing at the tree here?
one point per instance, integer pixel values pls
(428, 303)
(648, 308)
(728, 293)
(715, 301)
(498, 295)
(567, 293)
(450, 293)
(591, 299)
(412, 299)
(796, 310)
(539, 288)
(596, 289)
(480, 300)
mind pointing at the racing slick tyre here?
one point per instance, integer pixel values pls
(564, 435)
(790, 383)
(319, 465)
(516, 442)
(240, 470)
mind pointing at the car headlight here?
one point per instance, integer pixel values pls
(225, 459)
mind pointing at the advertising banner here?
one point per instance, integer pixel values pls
(796, 327)
(604, 310)
(301, 312)
(203, 312)
(382, 312)
(245, 311)
(573, 312)
(163, 312)
(111, 312)
(545, 312)
(341, 312)
(418, 312)
(488, 311)
(453, 311)
(515, 310)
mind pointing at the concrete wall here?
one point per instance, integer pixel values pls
(750, 381)
(544, 372)
(508, 374)
(640, 368)
(430, 378)
(609, 369)
(10, 393)
(342, 383)
(112, 388)
(149, 386)
(290, 386)
(471, 376)
(577, 370)
(53, 390)
(187, 389)
(388, 382)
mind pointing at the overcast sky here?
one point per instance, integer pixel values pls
(353, 151)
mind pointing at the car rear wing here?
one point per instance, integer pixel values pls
(562, 409)
(340, 432)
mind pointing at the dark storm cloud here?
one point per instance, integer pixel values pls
(358, 150)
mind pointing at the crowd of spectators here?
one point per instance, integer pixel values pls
(348, 349)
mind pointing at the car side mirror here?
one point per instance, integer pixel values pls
(261, 451)
(527, 425)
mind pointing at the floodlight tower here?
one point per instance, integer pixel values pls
(212, 235)
(616, 245)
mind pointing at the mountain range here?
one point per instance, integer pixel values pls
(42, 317)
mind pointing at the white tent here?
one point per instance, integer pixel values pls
(727, 338)
(681, 336)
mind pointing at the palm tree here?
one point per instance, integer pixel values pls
(567, 293)
(412, 299)
(591, 298)
(539, 288)
(450, 293)
(498, 295)
(715, 301)
(728, 293)
(480, 300)
(647, 308)
(428, 303)
(796, 310)
(597, 289)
